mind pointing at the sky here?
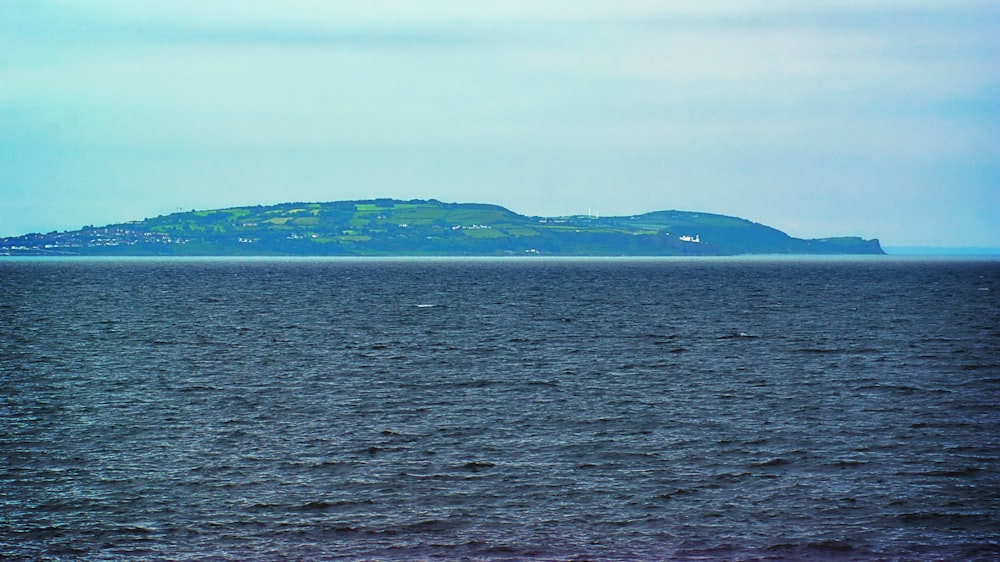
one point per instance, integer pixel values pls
(873, 118)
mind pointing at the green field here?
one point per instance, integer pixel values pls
(418, 227)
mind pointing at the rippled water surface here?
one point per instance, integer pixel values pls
(501, 410)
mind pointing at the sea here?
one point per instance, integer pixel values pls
(500, 409)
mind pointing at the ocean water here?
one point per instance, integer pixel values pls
(736, 409)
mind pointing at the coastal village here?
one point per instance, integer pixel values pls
(69, 243)
(90, 238)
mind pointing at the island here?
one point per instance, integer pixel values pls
(391, 227)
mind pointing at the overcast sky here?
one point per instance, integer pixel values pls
(876, 118)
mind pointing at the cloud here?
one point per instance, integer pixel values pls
(805, 105)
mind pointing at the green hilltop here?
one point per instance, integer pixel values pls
(390, 227)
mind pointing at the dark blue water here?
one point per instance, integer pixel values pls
(731, 409)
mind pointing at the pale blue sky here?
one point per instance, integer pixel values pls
(875, 118)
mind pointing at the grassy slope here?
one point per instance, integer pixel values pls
(392, 227)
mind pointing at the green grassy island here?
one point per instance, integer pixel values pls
(389, 227)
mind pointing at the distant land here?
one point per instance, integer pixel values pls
(941, 251)
(390, 227)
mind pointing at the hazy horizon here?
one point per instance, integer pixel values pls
(878, 119)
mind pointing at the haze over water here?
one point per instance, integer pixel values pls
(500, 409)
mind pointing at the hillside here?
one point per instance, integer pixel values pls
(388, 227)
